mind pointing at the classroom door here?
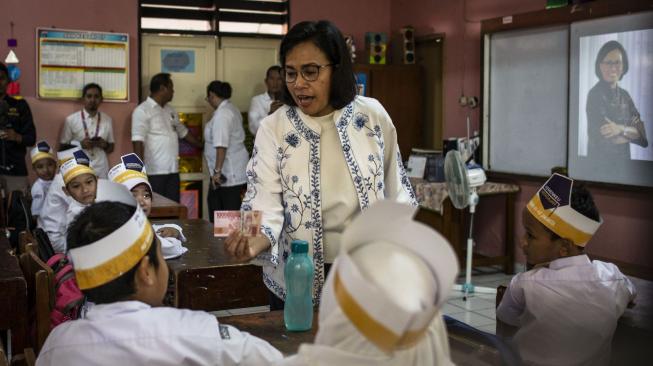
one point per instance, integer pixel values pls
(429, 51)
(194, 62)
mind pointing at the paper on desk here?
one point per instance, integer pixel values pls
(248, 222)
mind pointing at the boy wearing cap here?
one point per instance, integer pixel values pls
(131, 173)
(80, 183)
(45, 166)
(382, 298)
(52, 220)
(566, 308)
(120, 268)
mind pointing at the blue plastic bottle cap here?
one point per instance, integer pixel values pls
(299, 246)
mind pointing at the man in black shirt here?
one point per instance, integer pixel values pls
(17, 132)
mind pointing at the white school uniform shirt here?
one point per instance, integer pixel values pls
(285, 179)
(568, 312)
(259, 108)
(39, 193)
(133, 333)
(52, 218)
(73, 129)
(225, 129)
(159, 129)
(171, 247)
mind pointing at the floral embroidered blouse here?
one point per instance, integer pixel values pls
(284, 180)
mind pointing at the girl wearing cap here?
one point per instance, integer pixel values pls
(566, 308)
(325, 156)
(130, 172)
(45, 166)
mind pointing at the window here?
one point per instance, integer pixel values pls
(215, 17)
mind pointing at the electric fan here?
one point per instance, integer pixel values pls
(462, 182)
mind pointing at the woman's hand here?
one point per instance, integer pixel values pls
(169, 232)
(611, 129)
(244, 248)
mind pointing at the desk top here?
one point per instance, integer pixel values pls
(163, 207)
(432, 194)
(204, 250)
(270, 326)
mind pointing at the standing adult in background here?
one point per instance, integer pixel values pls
(93, 128)
(323, 157)
(224, 150)
(156, 131)
(17, 132)
(268, 102)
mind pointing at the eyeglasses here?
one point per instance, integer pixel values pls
(309, 72)
(612, 63)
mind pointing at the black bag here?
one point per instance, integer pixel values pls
(19, 216)
(43, 243)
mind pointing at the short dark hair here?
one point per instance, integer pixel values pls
(94, 223)
(91, 86)
(219, 88)
(325, 36)
(276, 68)
(158, 81)
(583, 203)
(3, 68)
(605, 49)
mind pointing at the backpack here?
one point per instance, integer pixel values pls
(68, 298)
(19, 216)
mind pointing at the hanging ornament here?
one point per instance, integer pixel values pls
(12, 61)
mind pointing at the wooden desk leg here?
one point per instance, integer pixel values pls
(509, 263)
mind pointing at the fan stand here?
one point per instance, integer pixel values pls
(468, 288)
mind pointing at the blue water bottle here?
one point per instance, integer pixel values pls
(298, 273)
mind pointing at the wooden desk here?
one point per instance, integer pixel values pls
(207, 278)
(13, 297)
(164, 208)
(270, 326)
(437, 211)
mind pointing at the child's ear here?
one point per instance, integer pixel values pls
(565, 247)
(144, 274)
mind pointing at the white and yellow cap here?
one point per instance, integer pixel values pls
(112, 256)
(373, 310)
(41, 151)
(551, 206)
(130, 172)
(79, 164)
(65, 155)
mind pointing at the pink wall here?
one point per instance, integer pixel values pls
(353, 17)
(97, 15)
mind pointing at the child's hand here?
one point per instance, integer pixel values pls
(168, 232)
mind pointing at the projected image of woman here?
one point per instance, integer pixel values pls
(612, 118)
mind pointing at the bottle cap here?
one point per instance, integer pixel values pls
(299, 246)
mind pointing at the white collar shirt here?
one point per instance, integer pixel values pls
(52, 218)
(133, 333)
(39, 192)
(259, 108)
(225, 129)
(568, 312)
(159, 129)
(74, 130)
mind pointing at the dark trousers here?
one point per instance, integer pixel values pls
(278, 304)
(166, 185)
(224, 198)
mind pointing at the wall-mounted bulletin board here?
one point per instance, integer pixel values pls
(69, 59)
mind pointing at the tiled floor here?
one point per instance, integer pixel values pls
(478, 310)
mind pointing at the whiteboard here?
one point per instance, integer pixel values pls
(527, 97)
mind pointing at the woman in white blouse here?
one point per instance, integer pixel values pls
(317, 161)
(224, 150)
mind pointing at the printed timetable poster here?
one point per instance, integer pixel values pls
(70, 59)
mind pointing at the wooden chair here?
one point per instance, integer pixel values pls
(24, 238)
(40, 293)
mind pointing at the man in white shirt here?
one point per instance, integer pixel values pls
(268, 102)
(120, 269)
(156, 131)
(93, 128)
(566, 308)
